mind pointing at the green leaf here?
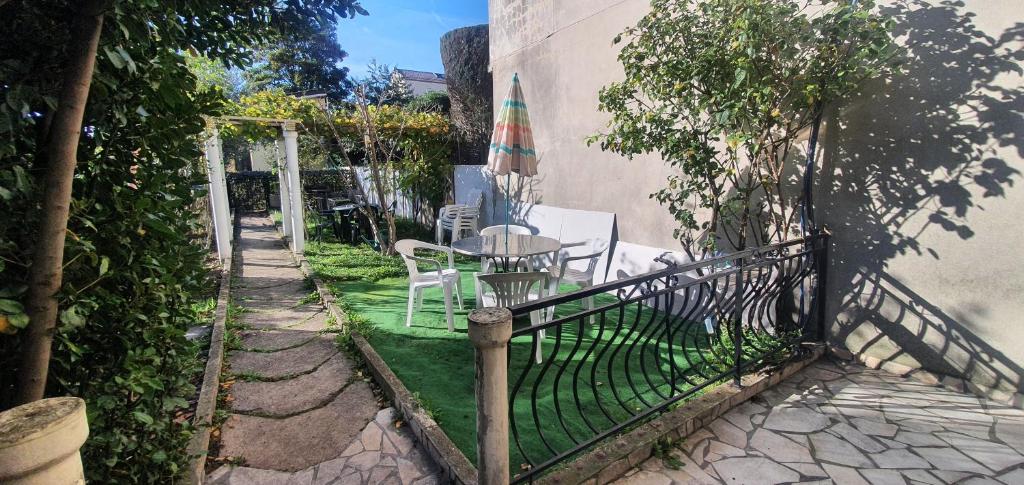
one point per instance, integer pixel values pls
(71, 318)
(142, 417)
(114, 58)
(104, 265)
(19, 320)
(11, 307)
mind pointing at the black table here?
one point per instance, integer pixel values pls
(352, 220)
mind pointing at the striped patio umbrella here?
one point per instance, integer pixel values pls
(512, 142)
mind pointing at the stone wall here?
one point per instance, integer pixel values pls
(921, 177)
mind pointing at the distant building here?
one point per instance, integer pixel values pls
(423, 82)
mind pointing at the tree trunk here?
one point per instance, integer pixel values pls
(45, 275)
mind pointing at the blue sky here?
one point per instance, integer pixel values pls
(405, 33)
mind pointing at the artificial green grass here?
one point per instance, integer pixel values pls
(437, 365)
(602, 372)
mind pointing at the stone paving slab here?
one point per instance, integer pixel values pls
(294, 425)
(272, 340)
(284, 363)
(383, 453)
(297, 442)
(293, 396)
(277, 286)
(282, 317)
(837, 422)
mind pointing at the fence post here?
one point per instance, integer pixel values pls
(490, 330)
(822, 290)
(737, 331)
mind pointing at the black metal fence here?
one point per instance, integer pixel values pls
(651, 342)
(253, 191)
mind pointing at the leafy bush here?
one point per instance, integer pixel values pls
(432, 102)
(723, 89)
(131, 274)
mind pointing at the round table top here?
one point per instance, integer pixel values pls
(351, 206)
(495, 246)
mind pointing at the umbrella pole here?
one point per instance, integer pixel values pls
(508, 211)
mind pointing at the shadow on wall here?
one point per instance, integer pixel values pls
(921, 155)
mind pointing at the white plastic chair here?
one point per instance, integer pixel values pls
(459, 218)
(448, 279)
(584, 256)
(485, 263)
(500, 229)
(511, 289)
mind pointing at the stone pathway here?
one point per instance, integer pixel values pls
(300, 411)
(836, 422)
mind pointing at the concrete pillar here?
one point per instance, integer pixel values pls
(282, 183)
(291, 155)
(39, 442)
(490, 330)
(219, 210)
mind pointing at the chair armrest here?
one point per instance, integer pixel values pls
(563, 262)
(433, 247)
(433, 262)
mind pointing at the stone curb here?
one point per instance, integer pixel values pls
(455, 467)
(610, 461)
(206, 404)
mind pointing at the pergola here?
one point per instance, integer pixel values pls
(288, 178)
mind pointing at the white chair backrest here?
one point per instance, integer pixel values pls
(514, 288)
(407, 249)
(500, 229)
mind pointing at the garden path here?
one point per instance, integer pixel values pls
(301, 412)
(838, 422)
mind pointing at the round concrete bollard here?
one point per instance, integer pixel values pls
(490, 330)
(39, 442)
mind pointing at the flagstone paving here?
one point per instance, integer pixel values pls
(300, 413)
(838, 422)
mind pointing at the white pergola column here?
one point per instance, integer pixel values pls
(291, 155)
(218, 195)
(282, 183)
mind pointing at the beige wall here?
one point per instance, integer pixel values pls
(922, 179)
(923, 188)
(562, 50)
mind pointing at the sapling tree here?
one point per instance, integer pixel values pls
(723, 91)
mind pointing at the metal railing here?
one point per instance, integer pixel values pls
(652, 341)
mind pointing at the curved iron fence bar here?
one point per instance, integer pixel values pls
(697, 331)
(593, 383)
(536, 387)
(611, 362)
(643, 335)
(690, 324)
(662, 336)
(558, 379)
(515, 392)
(536, 469)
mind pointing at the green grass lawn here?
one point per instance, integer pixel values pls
(600, 373)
